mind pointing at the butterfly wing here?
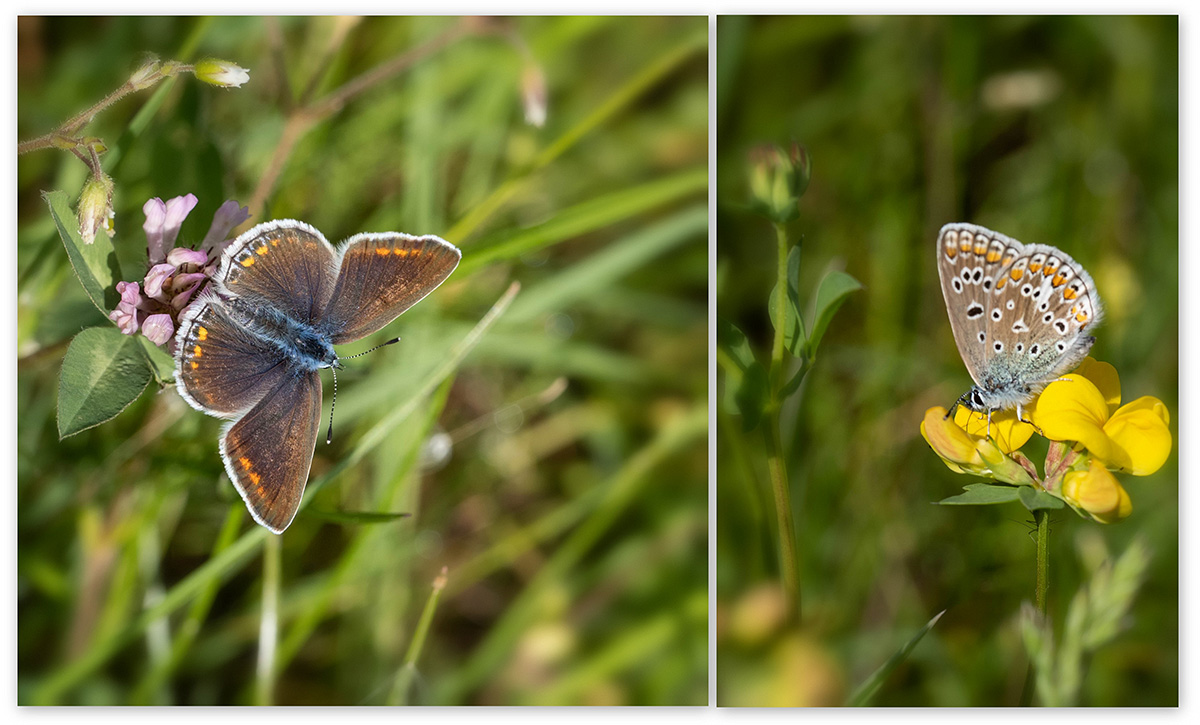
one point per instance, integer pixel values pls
(220, 368)
(968, 261)
(1044, 306)
(286, 264)
(268, 452)
(1020, 312)
(382, 275)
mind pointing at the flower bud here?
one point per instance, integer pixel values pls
(95, 208)
(146, 76)
(778, 179)
(533, 95)
(221, 73)
(1097, 492)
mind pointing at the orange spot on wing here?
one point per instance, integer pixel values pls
(1082, 317)
(1016, 274)
(245, 462)
(1069, 294)
(247, 261)
(1048, 271)
(404, 252)
(951, 252)
(195, 365)
(964, 245)
(993, 256)
(1000, 282)
(274, 242)
(1058, 280)
(1034, 267)
(261, 250)
(197, 351)
(255, 478)
(383, 251)
(202, 334)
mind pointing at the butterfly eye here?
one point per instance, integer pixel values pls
(976, 400)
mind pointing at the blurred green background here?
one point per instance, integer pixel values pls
(1055, 130)
(570, 509)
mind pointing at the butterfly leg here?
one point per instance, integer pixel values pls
(1021, 417)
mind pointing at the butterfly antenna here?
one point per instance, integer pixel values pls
(392, 341)
(957, 403)
(332, 403)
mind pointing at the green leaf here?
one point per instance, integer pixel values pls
(103, 372)
(834, 289)
(161, 363)
(1035, 500)
(746, 385)
(95, 264)
(978, 494)
(793, 331)
(794, 384)
(863, 694)
(354, 517)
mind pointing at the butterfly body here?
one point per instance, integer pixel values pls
(1020, 313)
(308, 346)
(249, 348)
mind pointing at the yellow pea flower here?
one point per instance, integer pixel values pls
(1135, 438)
(963, 452)
(1097, 492)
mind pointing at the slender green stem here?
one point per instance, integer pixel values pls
(408, 671)
(783, 515)
(268, 628)
(775, 462)
(1042, 519)
(780, 301)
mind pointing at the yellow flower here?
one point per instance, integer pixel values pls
(1097, 492)
(1005, 428)
(1135, 438)
(966, 453)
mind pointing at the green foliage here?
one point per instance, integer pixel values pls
(569, 509)
(94, 263)
(835, 287)
(1096, 616)
(746, 384)
(794, 337)
(866, 691)
(1032, 126)
(102, 373)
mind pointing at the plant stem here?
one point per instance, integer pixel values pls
(775, 461)
(268, 624)
(1042, 519)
